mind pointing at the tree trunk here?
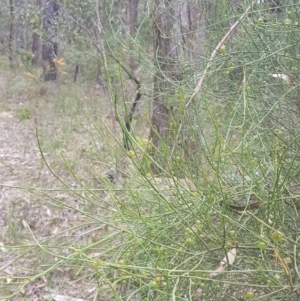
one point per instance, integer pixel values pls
(184, 35)
(162, 47)
(50, 48)
(36, 48)
(11, 32)
(177, 33)
(180, 47)
(36, 39)
(160, 116)
(205, 7)
(49, 53)
(276, 6)
(133, 13)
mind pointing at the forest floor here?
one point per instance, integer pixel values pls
(34, 199)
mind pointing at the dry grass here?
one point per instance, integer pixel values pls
(36, 203)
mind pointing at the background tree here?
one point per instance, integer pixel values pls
(164, 62)
(220, 123)
(11, 31)
(36, 38)
(50, 45)
(133, 16)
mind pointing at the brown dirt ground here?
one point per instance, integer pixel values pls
(35, 205)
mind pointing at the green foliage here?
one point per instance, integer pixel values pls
(25, 57)
(228, 178)
(24, 113)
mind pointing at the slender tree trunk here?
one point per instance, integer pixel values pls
(36, 48)
(204, 7)
(180, 39)
(50, 48)
(133, 13)
(135, 106)
(36, 39)
(162, 47)
(176, 42)
(160, 116)
(184, 35)
(49, 53)
(99, 43)
(11, 32)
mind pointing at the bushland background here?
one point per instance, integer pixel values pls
(149, 150)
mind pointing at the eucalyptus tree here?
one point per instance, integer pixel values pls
(50, 45)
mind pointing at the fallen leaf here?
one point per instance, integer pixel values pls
(228, 259)
(287, 78)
